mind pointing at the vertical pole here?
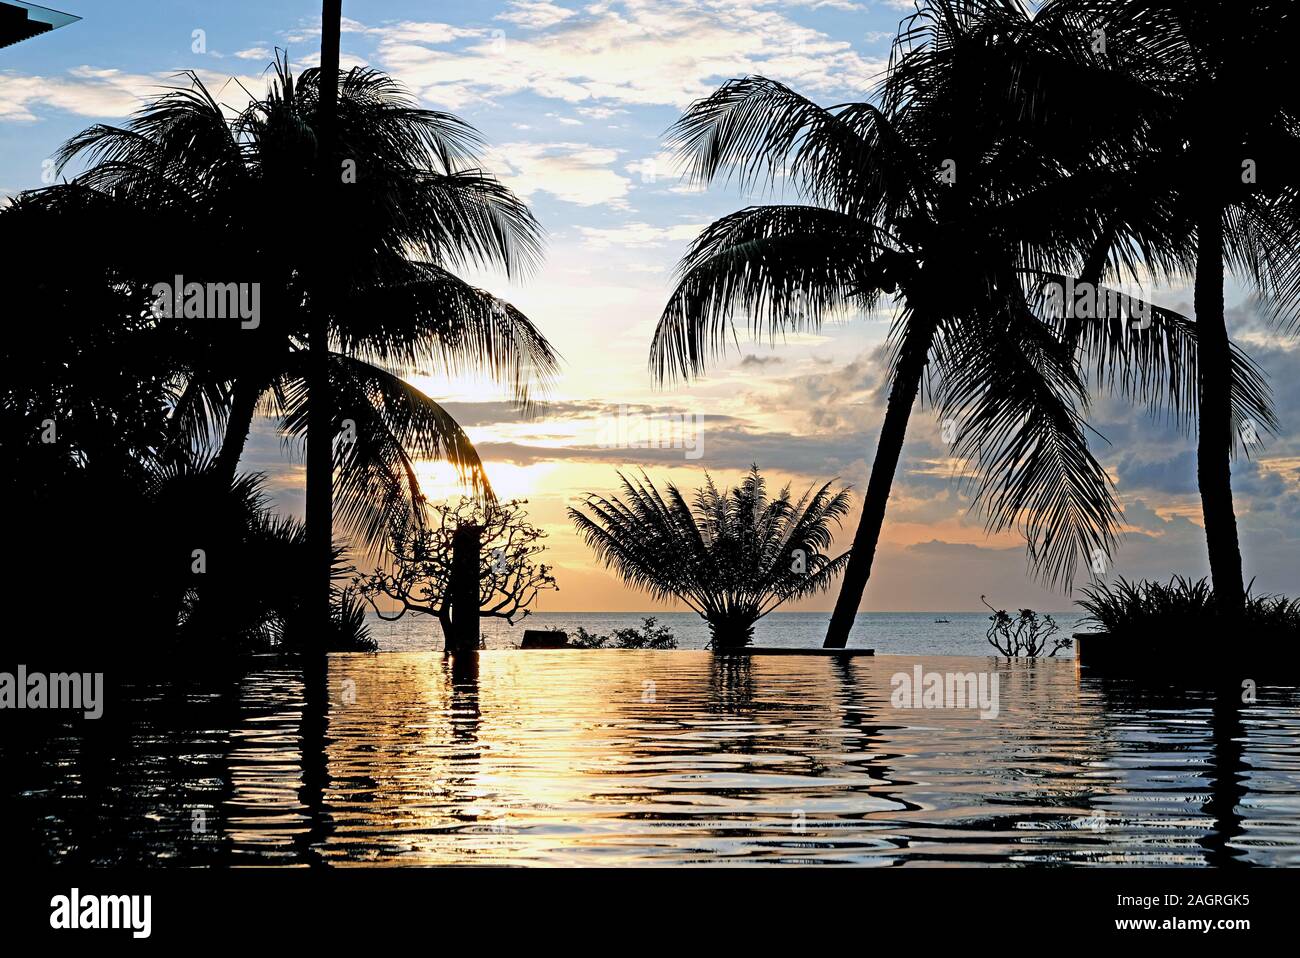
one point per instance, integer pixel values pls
(466, 546)
(320, 441)
(320, 447)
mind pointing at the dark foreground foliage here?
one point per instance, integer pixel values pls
(650, 635)
(1182, 611)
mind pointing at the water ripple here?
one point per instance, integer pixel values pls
(613, 757)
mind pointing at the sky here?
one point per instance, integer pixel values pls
(574, 99)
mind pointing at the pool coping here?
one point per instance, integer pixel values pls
(759, 650)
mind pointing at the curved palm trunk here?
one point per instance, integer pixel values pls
(243, 405)
(1214, 442)
(320, 442)
(907, 382)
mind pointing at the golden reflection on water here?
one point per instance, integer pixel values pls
(619, 757)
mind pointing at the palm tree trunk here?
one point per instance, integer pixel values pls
(320, 442)
(243, 405)
(1215, 441)
(731, 632)
(907, 382)
(320, 477)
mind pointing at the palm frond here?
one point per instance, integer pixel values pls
(730, 555)
(419, 313)
(786, 267)
(1014, 391)
(384, 427)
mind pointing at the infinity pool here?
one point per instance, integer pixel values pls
(656, 758)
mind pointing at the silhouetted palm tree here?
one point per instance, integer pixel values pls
(319, 491)
(922, 198)
(732, 557)
(1199, 160)
(255, 574)
(226, 185)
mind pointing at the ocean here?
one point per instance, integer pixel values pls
(903, 633)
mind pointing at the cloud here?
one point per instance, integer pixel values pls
(105, 93)
(843, 399)
(664, 53)
(637, 235)
(719, 443)
(497, 412)
(255, 53)
(535, 14)
(847, 5)
(663, 167)
(1175, 475)
(84, 90)
(434, 34)
(599, 112)
(347, 60)
(574, 172)
(311, 29)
